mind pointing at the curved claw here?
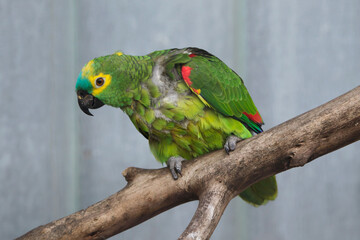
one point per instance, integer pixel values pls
(174, 165)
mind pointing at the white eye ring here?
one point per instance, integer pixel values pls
(99, 82)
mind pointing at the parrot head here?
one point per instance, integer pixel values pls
(101, 81)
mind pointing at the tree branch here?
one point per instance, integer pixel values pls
(214, 178)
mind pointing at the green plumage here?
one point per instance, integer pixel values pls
(185, 101)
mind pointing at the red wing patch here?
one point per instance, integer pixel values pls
(254, 117)
(192, 55)
(197, 91)
(185, 72)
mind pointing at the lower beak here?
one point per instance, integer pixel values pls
(87, 101)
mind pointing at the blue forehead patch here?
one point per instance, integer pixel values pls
(83, 83)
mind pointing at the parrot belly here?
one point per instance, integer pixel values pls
(192, 138)
(188, 128)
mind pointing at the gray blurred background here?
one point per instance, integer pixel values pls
(54, 160)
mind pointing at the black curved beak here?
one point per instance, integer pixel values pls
(87, 101)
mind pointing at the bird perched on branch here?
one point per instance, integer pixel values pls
(186, 102)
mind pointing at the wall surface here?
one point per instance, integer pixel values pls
(55, 160)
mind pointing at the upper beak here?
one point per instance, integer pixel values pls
(87, 101)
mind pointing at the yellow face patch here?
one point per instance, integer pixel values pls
(88, 72)
(98, 89)
(119, 53)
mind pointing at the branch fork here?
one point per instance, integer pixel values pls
(215, 178)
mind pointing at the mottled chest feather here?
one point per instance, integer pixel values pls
(175, 119)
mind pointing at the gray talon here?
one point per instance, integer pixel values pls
(173, 173)
(226, 147)
(230, 143)
(174, 164)
(178, 170)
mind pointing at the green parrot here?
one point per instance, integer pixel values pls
(186, 102)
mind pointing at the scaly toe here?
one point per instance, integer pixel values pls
(226, 147)
(174, 164)
(230, 143)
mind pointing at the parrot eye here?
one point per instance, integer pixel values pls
(99, 81)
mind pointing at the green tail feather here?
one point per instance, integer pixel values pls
(260, 192)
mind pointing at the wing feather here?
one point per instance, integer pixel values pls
(218, 85)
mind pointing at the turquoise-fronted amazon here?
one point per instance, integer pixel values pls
(186, 102)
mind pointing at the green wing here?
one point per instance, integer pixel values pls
(220, 87)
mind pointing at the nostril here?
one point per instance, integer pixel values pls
(81, 94)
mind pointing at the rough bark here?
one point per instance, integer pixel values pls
(214, 179)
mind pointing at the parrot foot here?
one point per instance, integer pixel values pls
(230, 143)
(174, 164)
